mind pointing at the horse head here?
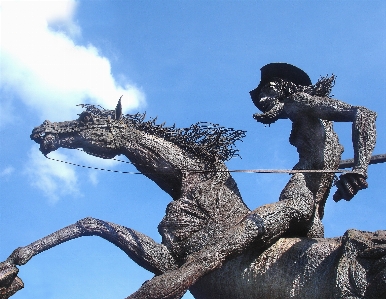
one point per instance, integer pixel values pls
(95, 131)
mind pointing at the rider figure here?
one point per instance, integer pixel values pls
(285, 91)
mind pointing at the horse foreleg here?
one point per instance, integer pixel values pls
(142, 249)
(15, 285)
(9, 282)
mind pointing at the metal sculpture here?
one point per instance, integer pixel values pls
(212, 243)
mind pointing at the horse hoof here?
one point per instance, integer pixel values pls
(8, 273)
(16, 285)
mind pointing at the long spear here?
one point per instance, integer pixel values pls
(374, 160)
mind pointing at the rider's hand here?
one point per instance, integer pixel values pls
(348, 185)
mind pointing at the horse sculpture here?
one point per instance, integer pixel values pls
(189, 165)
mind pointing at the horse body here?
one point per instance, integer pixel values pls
(290, 268)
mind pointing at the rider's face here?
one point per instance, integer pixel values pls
(270, 104)
(269, 97)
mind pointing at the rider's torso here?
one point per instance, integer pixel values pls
(319, 149)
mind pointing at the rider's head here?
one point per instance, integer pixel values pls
(267, 94)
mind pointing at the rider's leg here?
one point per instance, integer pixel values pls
(292, 213)
(261, 228)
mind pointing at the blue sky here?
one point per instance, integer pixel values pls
(183, 61)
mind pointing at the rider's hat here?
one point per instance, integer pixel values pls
(280, 70)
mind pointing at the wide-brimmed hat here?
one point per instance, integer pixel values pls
(280, 70)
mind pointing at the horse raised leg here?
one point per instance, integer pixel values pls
(140, 248)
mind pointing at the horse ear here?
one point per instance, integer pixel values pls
(118, 109)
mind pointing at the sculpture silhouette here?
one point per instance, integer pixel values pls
(212, 243)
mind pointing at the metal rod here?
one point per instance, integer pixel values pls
(374, 160)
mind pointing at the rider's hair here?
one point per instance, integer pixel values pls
(322, 88)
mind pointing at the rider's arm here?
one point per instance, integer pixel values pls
(363, 133)
(363, 120)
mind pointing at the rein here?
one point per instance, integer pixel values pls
(96, 168)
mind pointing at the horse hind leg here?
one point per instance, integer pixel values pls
(142, 249)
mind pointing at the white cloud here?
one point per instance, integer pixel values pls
(7, 171)
(57, 179)
(93, 177)
(42, 65)
(82, 158)
(7, 114)
(47, 69)
(53, 178)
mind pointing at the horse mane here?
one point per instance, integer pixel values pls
(204, 140)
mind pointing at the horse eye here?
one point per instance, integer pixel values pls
(85, 117)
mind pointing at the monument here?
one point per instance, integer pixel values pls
(212, 243)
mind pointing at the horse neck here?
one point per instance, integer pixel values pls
(158, 159)
(181, 174)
